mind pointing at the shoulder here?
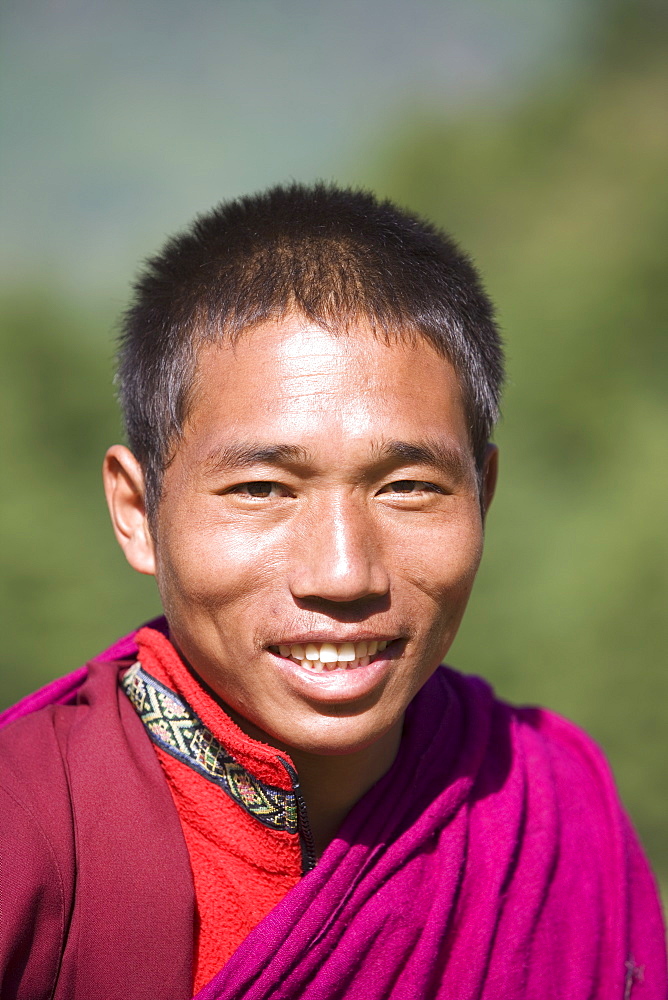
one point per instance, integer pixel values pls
(39, 748)
(32, 766)
(538, 741)
(550, 769)
(35, 742)
(573, 763)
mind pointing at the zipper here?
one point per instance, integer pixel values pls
(306, 841)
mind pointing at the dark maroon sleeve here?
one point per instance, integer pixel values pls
(33, 905)
(36, 860)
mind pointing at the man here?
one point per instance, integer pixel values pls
(275, 791)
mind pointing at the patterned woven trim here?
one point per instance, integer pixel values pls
(172, 725)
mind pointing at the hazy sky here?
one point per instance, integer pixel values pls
(121, 119)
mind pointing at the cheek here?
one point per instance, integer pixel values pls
(214, 568)
(442, 558)
(441, 577)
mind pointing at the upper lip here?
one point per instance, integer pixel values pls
(338, 639)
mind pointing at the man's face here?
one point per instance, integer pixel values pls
(324, 491)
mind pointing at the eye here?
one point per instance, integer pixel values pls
(411, 487)
(259, 490)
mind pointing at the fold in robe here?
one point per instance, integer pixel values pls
(492, 861)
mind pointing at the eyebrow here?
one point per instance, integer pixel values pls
(244, 456)
(434, 453)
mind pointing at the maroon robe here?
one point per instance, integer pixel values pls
(93, 860)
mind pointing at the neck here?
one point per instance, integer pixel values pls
(331, 785)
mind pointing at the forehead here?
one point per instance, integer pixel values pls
(290, 381)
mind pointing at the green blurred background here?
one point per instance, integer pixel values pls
(534, 131)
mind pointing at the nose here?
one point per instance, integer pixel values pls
(337, 555)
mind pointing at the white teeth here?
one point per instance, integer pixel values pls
(348, 652)
(332, 656)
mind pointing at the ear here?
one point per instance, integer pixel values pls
(490, 472)
(125, 492)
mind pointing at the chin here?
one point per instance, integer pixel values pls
(336, 737)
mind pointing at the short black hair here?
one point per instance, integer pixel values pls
(333, 255)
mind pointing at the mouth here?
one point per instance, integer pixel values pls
(327, 657)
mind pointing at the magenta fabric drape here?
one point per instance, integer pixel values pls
(493, 861)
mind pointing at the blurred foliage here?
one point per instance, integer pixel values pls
(67, 591)
(561, 199)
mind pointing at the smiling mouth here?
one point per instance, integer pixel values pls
(328, 656)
